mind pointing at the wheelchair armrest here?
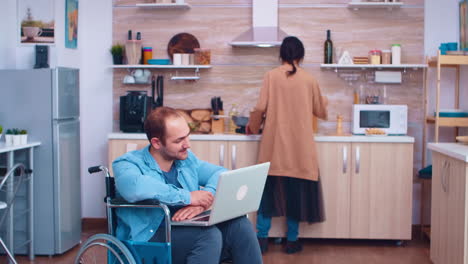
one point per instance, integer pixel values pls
(149, 202)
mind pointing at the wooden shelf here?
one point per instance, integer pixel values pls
(449, 60)
(152, 66)
(372, 66)
(164, 6)
(389, 5)
(449, 121)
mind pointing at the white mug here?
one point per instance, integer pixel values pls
(129, 79)
(137, 73)
(177, 59)
(185, 59)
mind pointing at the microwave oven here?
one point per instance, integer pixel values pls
(393, 119)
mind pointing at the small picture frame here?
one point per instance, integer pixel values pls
(464, 25)
(71, 24)
(36, 22)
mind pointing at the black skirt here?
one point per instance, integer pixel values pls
(295, 198)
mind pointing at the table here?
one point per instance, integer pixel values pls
(10, 160)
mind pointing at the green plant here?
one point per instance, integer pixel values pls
(23, 132)
(1, 129)
(31, 23)
(13, 131)
(117, 50)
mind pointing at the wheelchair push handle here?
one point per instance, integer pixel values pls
(94, 169)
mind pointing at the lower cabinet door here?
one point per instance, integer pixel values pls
(213, 151)
(381, 190)
(335, 169)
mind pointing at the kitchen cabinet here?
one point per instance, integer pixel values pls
(448, 210)
(367, 191)
(229, 154)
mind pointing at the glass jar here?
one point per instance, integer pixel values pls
(386, 56)
(202, 56)
(374, 56)
(396, 54)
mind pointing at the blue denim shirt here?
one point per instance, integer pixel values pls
(138, 177)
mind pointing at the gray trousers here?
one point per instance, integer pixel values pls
(233, 239)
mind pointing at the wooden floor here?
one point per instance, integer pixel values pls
(323, 251)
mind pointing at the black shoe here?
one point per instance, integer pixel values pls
(263, 242)
(293, 247)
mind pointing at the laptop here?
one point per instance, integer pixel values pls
(238, 192)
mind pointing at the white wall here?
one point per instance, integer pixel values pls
(93, 59)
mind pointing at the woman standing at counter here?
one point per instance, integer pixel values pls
(289, 99)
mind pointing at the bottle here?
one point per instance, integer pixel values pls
(356, 96)
(339, 125)
(328, 50)
(233, 112)
(396, 54)
(147, 54)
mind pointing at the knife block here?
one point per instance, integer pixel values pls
(217, 126)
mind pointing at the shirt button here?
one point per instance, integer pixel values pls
(151, 231)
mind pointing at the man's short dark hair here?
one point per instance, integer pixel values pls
(155, 123)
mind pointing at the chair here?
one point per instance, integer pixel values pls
(9, 186)
(102, 247)
(425, 177)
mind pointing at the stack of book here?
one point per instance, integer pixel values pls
(360, 60)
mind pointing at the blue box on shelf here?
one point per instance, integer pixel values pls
(159, 61)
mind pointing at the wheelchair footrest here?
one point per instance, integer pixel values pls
(150, 252)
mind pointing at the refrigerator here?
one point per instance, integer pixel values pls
(45, 102)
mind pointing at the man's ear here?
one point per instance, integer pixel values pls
(156, 143)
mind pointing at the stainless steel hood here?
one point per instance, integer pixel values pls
(265, 31)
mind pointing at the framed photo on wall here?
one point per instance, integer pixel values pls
(463, 25)
(36, 21)
(71, 24)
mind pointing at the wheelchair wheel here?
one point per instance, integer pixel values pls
(105, 249)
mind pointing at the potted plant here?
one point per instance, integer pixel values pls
(31, 28)
(9, 137)
(23, 136)
(1, 131)
(117, 53)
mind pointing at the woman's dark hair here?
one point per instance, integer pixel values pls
(291, 50)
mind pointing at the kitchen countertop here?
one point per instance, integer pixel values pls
(241, 137)
(454, 150)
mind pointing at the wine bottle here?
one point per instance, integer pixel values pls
(328, 50)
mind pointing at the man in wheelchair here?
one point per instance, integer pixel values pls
(167, 171)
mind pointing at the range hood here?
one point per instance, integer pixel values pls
(265, 31)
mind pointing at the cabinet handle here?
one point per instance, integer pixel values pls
(221, 155)
(345, 159)
(358, 159)
(443, 176)
(233, 157)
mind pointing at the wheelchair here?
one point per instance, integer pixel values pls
(106, 248)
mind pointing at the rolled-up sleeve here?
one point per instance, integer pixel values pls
(134, 186)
